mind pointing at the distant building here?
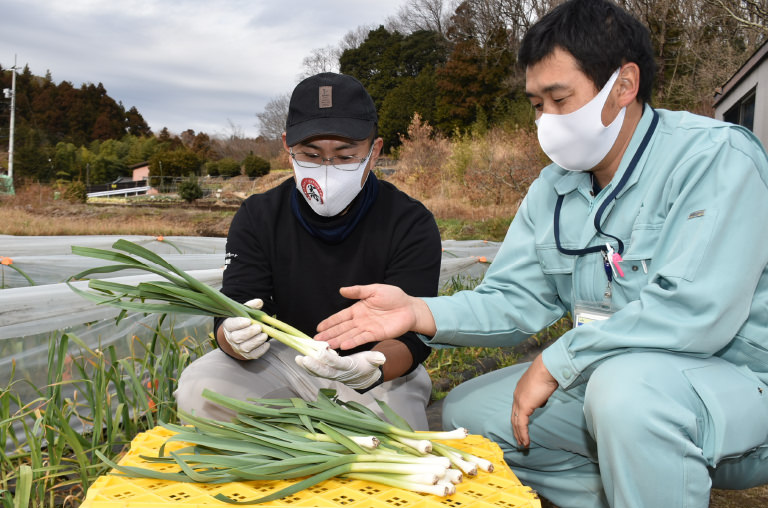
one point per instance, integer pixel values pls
(141, 174)
(140, 171)
(743, 99)
(134, 185)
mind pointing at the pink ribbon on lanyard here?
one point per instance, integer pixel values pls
(615, 258)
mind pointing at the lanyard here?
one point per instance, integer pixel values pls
(604, 204)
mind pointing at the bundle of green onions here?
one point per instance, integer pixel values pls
(287, 439)
(179, 293)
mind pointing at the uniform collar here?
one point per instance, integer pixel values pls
(572, 180)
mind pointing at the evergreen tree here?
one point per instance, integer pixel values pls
(135, 123)
(398, 72)
(174, 163)
(475, 76)
(254, 166)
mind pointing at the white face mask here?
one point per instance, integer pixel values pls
(578, 141)
(329, 190)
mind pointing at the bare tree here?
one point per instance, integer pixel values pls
(516, 16)
(272, 119)
(187, 137)
(433, 15)
(232, 143)
(354, 38)
(321, 60)
(698, 45)
(327, 59)
(519, 15)
(750, 14)
(487, 19)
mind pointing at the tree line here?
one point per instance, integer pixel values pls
(65, 134)
(454, 62)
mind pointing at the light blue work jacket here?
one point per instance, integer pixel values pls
(693, 218)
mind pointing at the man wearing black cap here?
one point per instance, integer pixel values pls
(290, 249)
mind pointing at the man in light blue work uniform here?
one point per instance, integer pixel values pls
(651, 228)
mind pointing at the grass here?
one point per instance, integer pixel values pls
(48, 461)
(492, 229)
(84, 219)
(204, 219)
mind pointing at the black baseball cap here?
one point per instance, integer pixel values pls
(329, 104)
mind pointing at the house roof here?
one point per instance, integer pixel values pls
(139, 165)
(757, 57)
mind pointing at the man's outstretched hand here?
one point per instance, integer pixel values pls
(382, 312)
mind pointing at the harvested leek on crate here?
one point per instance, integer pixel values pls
(179, 293)
(287, 439)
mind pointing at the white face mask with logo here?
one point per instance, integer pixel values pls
(327, 189)
(578, 141)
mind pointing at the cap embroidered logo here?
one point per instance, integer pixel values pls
(312, 190)
(326, 97)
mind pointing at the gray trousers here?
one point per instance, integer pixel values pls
(276, 375)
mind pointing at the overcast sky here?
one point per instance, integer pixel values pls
(184, 64)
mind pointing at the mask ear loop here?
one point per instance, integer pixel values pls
(599, 215)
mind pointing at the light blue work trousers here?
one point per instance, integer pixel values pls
(647, 430)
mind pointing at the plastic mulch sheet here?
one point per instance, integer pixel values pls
(31, 315)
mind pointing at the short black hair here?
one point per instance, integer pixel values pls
(599, 34)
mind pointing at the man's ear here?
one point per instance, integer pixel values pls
(285, 145)
(378, 144)
(628, 84)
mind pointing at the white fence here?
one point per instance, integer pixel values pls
(131, 191)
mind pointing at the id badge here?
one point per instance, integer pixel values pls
(586, 312)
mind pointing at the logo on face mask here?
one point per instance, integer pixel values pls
(312, 191)
(340, 184)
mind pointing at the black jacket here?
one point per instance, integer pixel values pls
(271, 256)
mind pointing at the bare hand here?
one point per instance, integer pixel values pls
(532, 392)
(383, 312)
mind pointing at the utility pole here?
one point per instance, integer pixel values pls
(12, 93)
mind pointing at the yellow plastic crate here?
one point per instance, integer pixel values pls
(500, 489)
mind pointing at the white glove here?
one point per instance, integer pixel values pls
(358, 371)
(246, 337)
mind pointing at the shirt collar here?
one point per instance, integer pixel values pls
(571, 180)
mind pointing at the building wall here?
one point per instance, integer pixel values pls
(757, 78)
(141, 173)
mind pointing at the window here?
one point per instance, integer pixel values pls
(743, 112)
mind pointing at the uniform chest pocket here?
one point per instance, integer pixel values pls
(558, 268)
(552, 262)
(637, 261)
(678, 247)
